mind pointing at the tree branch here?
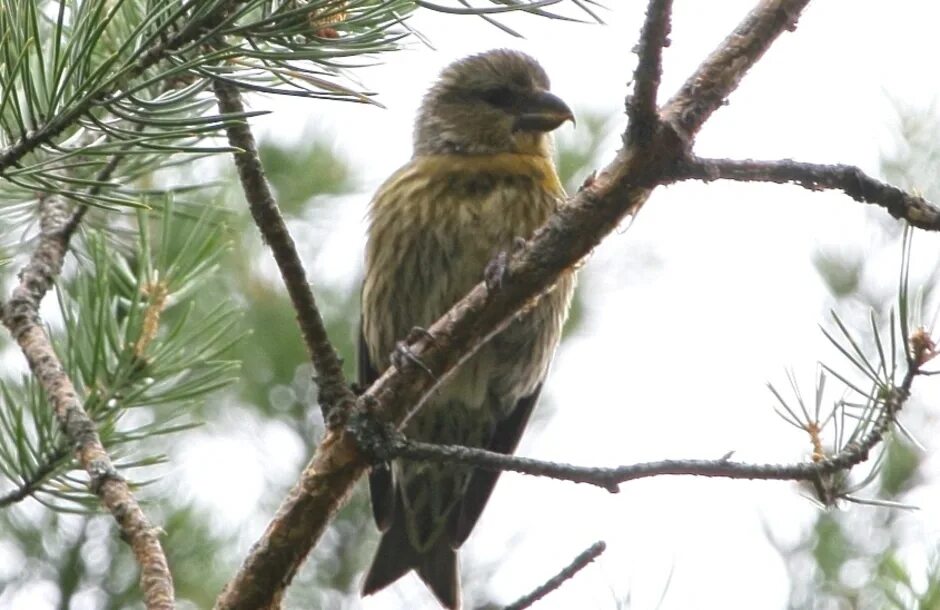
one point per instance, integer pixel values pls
(21, 317)
(851, 180)
(579, 563)
(387, 445)
(641, 106)
(333, 389)
(556, 248)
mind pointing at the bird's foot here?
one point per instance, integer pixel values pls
(497, 271)
(402, 356)
(589, 181)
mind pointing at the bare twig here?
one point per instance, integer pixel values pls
(815, 177)
(641, 106)
(578, 564)
(396, 446)
(567, 238)
(333, 388)
(21, 317)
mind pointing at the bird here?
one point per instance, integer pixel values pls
(481, 178)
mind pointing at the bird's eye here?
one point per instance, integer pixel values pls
(501, 97)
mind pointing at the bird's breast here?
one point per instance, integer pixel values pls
(434, 226)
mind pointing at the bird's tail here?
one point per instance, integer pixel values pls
(396, 556)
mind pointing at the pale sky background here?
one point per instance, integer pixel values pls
(708, 295)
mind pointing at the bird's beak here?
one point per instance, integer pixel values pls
(543, 112)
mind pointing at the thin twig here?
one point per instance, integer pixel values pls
(569, 236)
(334, 391)
(327, 479)
(578, 564)
(816, 177)
(21, 317)
(33, 482)
(641, 106)
(398, 447)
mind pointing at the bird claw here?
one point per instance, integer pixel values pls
(402, 356)
(497, 271)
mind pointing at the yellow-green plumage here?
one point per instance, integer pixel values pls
(434, 226)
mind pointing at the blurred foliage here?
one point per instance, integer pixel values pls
(576, 152)
(576, 156)
(289, 170)
(841, 275)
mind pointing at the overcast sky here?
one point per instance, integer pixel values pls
(709, 294)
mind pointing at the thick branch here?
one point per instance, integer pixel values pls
(579, 563)
(21, 317)
(641, 106)
(556, 248)
(334, 391)
(578, 227)
(852, 181)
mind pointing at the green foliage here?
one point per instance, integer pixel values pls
(131, 342)
(899, 473)
(89, 79)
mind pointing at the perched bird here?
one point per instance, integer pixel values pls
(481, 177)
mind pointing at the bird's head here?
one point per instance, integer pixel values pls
(493, 102)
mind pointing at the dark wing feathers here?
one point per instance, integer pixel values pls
(437, 567)
(505, 438)
(381, 484)
(367, 371)
(395, 557)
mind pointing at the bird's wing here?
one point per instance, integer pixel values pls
(381, 484)
(505, 438)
